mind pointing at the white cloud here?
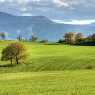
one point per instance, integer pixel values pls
(61, 3)
(74, 3)
(2, 1)
(26, 14)
(35, 0)
(58, 9)
(18, 32)
(76, 22)
(23, 9)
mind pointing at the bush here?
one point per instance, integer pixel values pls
(44, 41)
(61, 41)
(14, 52)
(33, 38)
(89, 67)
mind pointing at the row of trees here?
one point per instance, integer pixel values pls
(74, 38)
(69, 38)
(33, 38)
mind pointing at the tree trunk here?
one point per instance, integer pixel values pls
(11, 61)
(17, 62)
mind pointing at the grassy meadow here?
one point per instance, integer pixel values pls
(53, 58)
(48, 83)
(50, 70)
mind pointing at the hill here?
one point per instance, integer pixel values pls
(53, 58)
(41, 26)
(50, 70)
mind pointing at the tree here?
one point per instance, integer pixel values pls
(93, 37)
(79, 38)
(33, 38)
(19, 37)
(44, 41)
(70, 38)
(60, 41)
(14, 52)
(3, 35)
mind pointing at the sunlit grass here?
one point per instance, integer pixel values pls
(80, 82)
(53, 57)
(59, 70)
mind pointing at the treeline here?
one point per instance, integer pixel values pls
(73, 38)
(32, 38)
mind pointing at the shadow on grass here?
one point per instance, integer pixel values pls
(7, 65)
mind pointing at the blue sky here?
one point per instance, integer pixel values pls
(59, 10)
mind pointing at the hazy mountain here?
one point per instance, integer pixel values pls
(40, 26)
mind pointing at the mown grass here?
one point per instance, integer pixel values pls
(53, 58)
(79, 82)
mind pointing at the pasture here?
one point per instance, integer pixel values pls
(81, 82)
(50, 70)
(53, 58)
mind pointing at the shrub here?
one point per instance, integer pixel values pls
(44, 41)
(89, 67)
(61, 41)
(2, 35)
(33, 38)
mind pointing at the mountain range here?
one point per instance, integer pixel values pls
(41, 26)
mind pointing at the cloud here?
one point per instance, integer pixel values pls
(26, 14)
(2, 1)
(75, 4)
(76, 22)
(58, 9)
(61, 3)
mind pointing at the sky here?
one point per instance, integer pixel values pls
(70, 11)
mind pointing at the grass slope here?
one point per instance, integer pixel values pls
(48, 59)
(48, 83)
(53, 57)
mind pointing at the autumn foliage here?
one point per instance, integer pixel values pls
(15, 52)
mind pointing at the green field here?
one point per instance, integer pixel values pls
(50, 70)
(48, 83)
(54, 58)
